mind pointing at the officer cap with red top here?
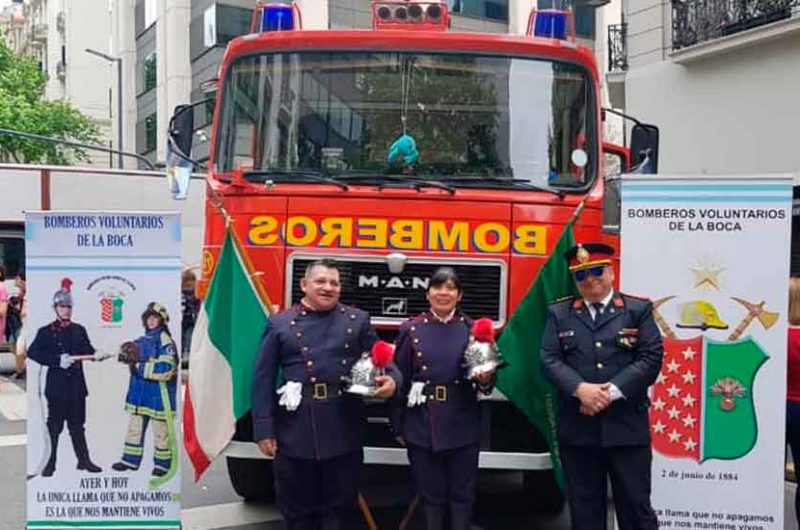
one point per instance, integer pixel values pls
(587, 255)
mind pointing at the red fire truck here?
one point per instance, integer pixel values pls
(400, 149)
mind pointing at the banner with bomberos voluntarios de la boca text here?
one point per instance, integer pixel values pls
(713, 255)
(103, 438)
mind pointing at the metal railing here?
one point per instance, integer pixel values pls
(696, 21)
(617, 47)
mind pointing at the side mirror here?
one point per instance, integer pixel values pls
(179, 148)
(644, 148)
(181, 129)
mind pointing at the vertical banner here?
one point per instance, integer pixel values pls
(104, 319)
(713, 254)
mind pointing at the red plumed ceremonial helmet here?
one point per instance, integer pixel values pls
(483, 331)
(382, 354)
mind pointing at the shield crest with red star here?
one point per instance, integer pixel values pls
(702, 402)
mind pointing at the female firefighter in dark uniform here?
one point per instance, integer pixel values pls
(437, 414)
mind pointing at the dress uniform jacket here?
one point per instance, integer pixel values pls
(158, 362)
(623, 347)
(432, 352)
(52, 341)
(316, 349)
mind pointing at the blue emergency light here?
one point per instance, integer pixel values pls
(551, 24)
(277, 17)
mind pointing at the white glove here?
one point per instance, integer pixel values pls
(416, 396)
(65, 361)
(291, 394)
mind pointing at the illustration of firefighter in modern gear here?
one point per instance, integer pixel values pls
(153, 363)
(61, 346)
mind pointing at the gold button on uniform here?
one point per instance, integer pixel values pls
(313, 379)
(599, 366)
(598, 344)
(310, 363)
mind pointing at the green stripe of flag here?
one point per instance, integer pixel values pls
(523, 381)
(236, 320)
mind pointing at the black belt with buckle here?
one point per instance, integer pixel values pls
(322, 391)
(447, 392)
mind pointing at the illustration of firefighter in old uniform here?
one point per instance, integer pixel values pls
(153, 363)
(62, 346)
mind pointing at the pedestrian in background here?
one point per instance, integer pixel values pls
(602, 350)
(20, 336)
(190, 307)
(793, 383)
(3, 302)
(437, 415)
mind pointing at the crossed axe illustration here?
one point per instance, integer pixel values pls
(754, 312)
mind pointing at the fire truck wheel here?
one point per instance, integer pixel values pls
(543, 491)
(252, 479)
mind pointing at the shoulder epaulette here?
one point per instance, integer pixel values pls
(417, 317)
(636, 297)
(562, 299)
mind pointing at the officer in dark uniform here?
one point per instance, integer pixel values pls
(316, 435)
(602, 350)
(437, 414)
(54, 346)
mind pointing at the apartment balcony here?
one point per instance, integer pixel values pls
(617, 64)
(617, 47)
(698, 21)
(39, 33)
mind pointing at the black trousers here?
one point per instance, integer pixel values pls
(446, 478)
(587, 471)
(308, 492)
(73, 412)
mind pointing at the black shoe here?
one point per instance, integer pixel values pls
(89, 466)
(122, 466)
(49, 469)
(159, 472)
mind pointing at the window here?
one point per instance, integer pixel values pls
(149, 13)
(150, 134)
(150, 76)
(12, 254)
(491, 9)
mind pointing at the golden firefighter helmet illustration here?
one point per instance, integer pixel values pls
(154, 308)
(700, 314)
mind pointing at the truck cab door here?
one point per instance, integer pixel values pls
(616, 161)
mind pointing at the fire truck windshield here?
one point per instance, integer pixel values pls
(464, 119)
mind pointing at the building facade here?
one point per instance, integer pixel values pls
(721, 79)
(172, 62)
(57, 33)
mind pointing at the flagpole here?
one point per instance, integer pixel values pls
(578, 211)
(250, 269)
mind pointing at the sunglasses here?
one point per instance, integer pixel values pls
(584, 273)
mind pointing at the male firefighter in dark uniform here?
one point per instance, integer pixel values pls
(602, 350)
(56, 345)
(315, 430)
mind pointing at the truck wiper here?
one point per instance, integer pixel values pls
(292, 175)
(503, 181)
(381, 180)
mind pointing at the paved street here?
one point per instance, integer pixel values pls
(212, 504)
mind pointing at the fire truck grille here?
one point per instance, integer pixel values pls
(388, 297)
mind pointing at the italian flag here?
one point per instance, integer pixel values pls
(225, 345)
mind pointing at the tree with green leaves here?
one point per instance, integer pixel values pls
(23, 108)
